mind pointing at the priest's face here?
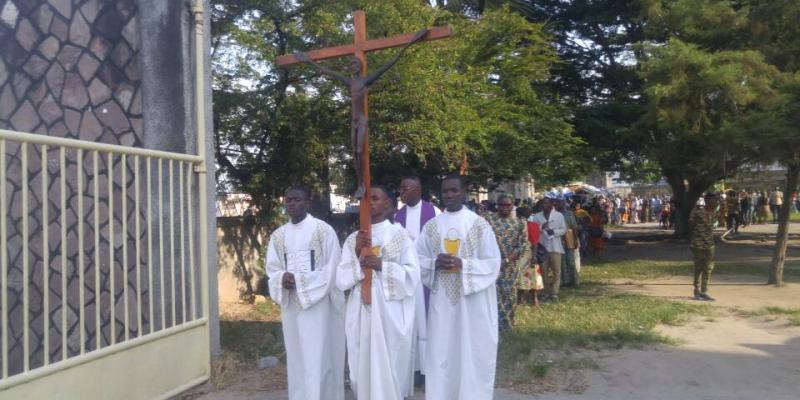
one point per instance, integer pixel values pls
(410, 191)
(380, 203)
(453, 194)
(297, 203)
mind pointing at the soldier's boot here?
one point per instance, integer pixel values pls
(706, 297)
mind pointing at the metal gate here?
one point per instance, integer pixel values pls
(115, 297)
(103, 265)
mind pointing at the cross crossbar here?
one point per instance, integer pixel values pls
(439, 32)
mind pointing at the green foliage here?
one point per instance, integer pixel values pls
(266, 137)
(476, 96)
(773, 30)
(597, 77)
(705, 109)
(711, 24)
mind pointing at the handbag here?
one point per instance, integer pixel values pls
(570, 239)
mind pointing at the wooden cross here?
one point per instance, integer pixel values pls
(360, 47)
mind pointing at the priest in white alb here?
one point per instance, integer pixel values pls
(460, 261)
(379, 335)
(301, 262)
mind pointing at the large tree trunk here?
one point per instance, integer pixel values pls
(685, 193)
(781, 241)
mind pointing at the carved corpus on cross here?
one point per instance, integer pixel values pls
(359, 83)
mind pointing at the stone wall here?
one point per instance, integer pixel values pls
(71, 69)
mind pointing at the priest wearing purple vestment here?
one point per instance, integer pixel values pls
(413, 216)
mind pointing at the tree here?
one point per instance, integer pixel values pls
(474, 97)
(267, 137)
(704, 110)
(774, 31)
(783, 145)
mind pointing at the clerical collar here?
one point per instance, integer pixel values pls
(307, 218)
(415, 206)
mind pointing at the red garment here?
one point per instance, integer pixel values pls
(597, 243)
(533, 233)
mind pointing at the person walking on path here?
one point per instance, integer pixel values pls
(530, 276)
(552, 226)
(701, 226)
(460, 261)
(775, 203)
(380, 335)
(512, 238)
(302, 256)
(596, 231)
(762, 208)
(570, 262)
(746, 203)
(415, 213)
(733, 207)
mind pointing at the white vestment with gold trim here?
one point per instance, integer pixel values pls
(462, 318)
(312, 315)
(379, 335)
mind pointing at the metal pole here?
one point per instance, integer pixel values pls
(4, 255)
(198, 11)
(45, 258)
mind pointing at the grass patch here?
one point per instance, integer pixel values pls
(605, 271)
(792, 313)
(794, 217)
(253, 334)
(589, 318)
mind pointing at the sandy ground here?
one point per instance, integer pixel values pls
(727, 356)
(730, 358)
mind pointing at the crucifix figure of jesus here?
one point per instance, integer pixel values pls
(358, 83)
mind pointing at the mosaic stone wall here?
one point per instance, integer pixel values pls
(72, 69)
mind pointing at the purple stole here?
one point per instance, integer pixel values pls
(426, 214)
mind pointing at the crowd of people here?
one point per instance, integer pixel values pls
(551, 260)
(423, 296)
(742, 208)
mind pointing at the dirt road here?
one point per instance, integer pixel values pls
(728, 356)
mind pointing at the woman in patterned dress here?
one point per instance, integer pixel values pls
(512, 238)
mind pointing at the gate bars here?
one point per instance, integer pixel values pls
(183, 181)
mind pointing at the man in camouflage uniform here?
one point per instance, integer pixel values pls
(701, 228)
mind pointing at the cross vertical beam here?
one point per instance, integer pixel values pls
(364, 217)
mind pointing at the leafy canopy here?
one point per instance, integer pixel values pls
(474, 99)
